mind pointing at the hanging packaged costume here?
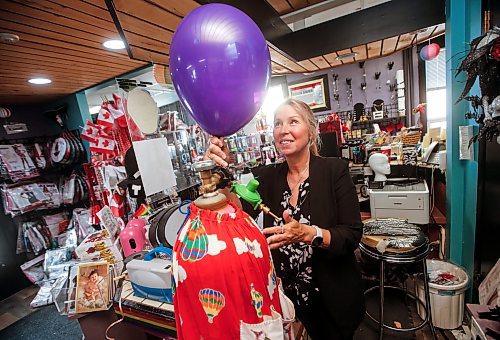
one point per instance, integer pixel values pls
(225, 286)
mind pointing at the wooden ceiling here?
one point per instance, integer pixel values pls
(62, 40)
(156, 34)
(372, 50)
(149, 25)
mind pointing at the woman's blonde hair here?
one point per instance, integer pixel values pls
(308, 115)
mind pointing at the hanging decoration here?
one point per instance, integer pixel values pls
(58, 115)
(377, 78)
(110, 135)
(109, 140)
(419, 111)
(483, 60)
(336, 95)
(429, 52)
(363, 84)
(349, 90)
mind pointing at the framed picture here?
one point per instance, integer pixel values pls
(92, 287)
(313, 91)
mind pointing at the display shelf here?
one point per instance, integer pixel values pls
(362, 119)
(382, 120)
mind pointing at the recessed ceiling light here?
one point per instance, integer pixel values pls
(114, 44)
(9, 38)
(40, 81)
(346, 55)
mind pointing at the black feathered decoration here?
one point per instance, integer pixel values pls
(480, 62)
(483, 60)
(58, 115)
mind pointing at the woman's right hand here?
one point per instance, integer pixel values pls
(217, 151)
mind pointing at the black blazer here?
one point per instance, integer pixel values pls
(334, 206)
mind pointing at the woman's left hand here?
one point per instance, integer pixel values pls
(291, 232)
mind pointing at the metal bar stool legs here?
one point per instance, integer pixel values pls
(381, 307)
(426, 304)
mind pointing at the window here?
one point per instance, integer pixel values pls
(435, 79)
(273, 99)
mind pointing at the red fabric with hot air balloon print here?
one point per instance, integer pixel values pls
(223, 275)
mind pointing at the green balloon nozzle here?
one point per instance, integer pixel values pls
(248, 192)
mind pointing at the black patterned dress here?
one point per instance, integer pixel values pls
(294, 261)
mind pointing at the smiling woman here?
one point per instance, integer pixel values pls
(294, 117)
(313, 244)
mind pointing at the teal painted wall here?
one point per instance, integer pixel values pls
(463, 23)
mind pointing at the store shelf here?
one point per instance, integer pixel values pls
(383, 120)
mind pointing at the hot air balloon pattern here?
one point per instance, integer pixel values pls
(257, 300)
(195, 242)
(271, 277)
(212, 302)
(172, 284)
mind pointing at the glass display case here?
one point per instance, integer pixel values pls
(186, 147)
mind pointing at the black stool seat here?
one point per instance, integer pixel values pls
(413, 251)
(412, 256)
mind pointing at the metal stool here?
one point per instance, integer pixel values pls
(400, 258)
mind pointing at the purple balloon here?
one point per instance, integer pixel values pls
(220, 67)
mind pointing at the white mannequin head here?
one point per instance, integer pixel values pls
(379, 163)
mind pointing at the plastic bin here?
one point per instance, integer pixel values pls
(447, 301)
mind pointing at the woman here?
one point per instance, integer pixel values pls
(313, 249)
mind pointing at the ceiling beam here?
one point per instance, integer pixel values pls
(311, 10)
(376, 23)
(118, 25)
(372, 24)
(264, 15)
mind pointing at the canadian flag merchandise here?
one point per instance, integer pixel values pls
(117, 114)
(90, 132)
(117, 205)
(135, 132)
(332, 124)
(103, 144)
(104, 117)
(121, 136)
(119, 103)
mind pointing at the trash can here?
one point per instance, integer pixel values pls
(447, 285)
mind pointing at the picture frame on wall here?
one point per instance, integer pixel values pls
(313, 91)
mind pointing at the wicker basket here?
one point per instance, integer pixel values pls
(411, 138)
